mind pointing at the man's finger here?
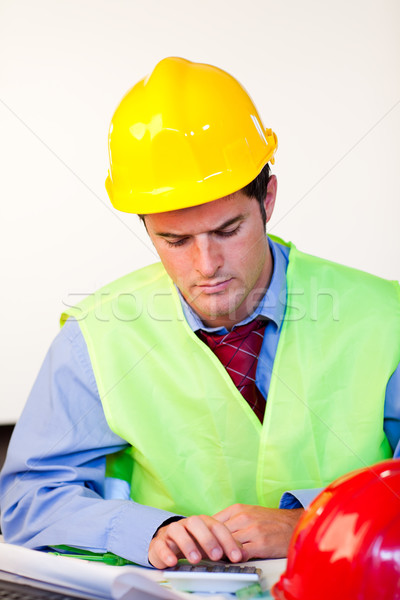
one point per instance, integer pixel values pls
(161, 555)
(214, 538)
(180, 534)
(230, 545)
(192, 538)
(227, 513)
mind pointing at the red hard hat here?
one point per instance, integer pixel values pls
(347, 543)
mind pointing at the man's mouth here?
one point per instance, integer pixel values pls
(214, 287)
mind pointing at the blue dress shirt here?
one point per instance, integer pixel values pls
(53, 488)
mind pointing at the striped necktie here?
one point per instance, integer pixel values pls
(238, 350)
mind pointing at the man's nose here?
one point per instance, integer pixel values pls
(207, 256)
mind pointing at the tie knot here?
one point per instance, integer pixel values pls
(238, 335)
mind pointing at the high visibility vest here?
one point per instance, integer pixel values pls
(195, 444)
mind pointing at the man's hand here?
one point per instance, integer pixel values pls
(262, 532)
(193, 538)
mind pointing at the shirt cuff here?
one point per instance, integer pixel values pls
(130, 541)
(299, 498)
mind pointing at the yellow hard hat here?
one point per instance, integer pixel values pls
(186, 134)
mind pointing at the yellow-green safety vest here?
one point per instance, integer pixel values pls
(195, 444)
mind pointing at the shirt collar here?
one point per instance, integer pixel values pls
(272, 305)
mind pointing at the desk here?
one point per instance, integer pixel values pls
(99, 580)
(272, 569)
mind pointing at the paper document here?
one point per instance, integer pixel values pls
(103, 581)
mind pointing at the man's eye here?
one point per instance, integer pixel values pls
(228, 232)
(176, 243)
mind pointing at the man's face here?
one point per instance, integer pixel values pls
(217, 254)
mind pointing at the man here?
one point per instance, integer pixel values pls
(181, 402)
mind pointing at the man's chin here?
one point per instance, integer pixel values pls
(213, 313)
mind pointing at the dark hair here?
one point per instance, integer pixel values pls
(255, 189)
(258, 189)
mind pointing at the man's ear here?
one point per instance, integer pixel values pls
(269, 202)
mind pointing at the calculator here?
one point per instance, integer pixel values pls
(211, 577)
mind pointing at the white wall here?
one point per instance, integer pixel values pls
(324, 75)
